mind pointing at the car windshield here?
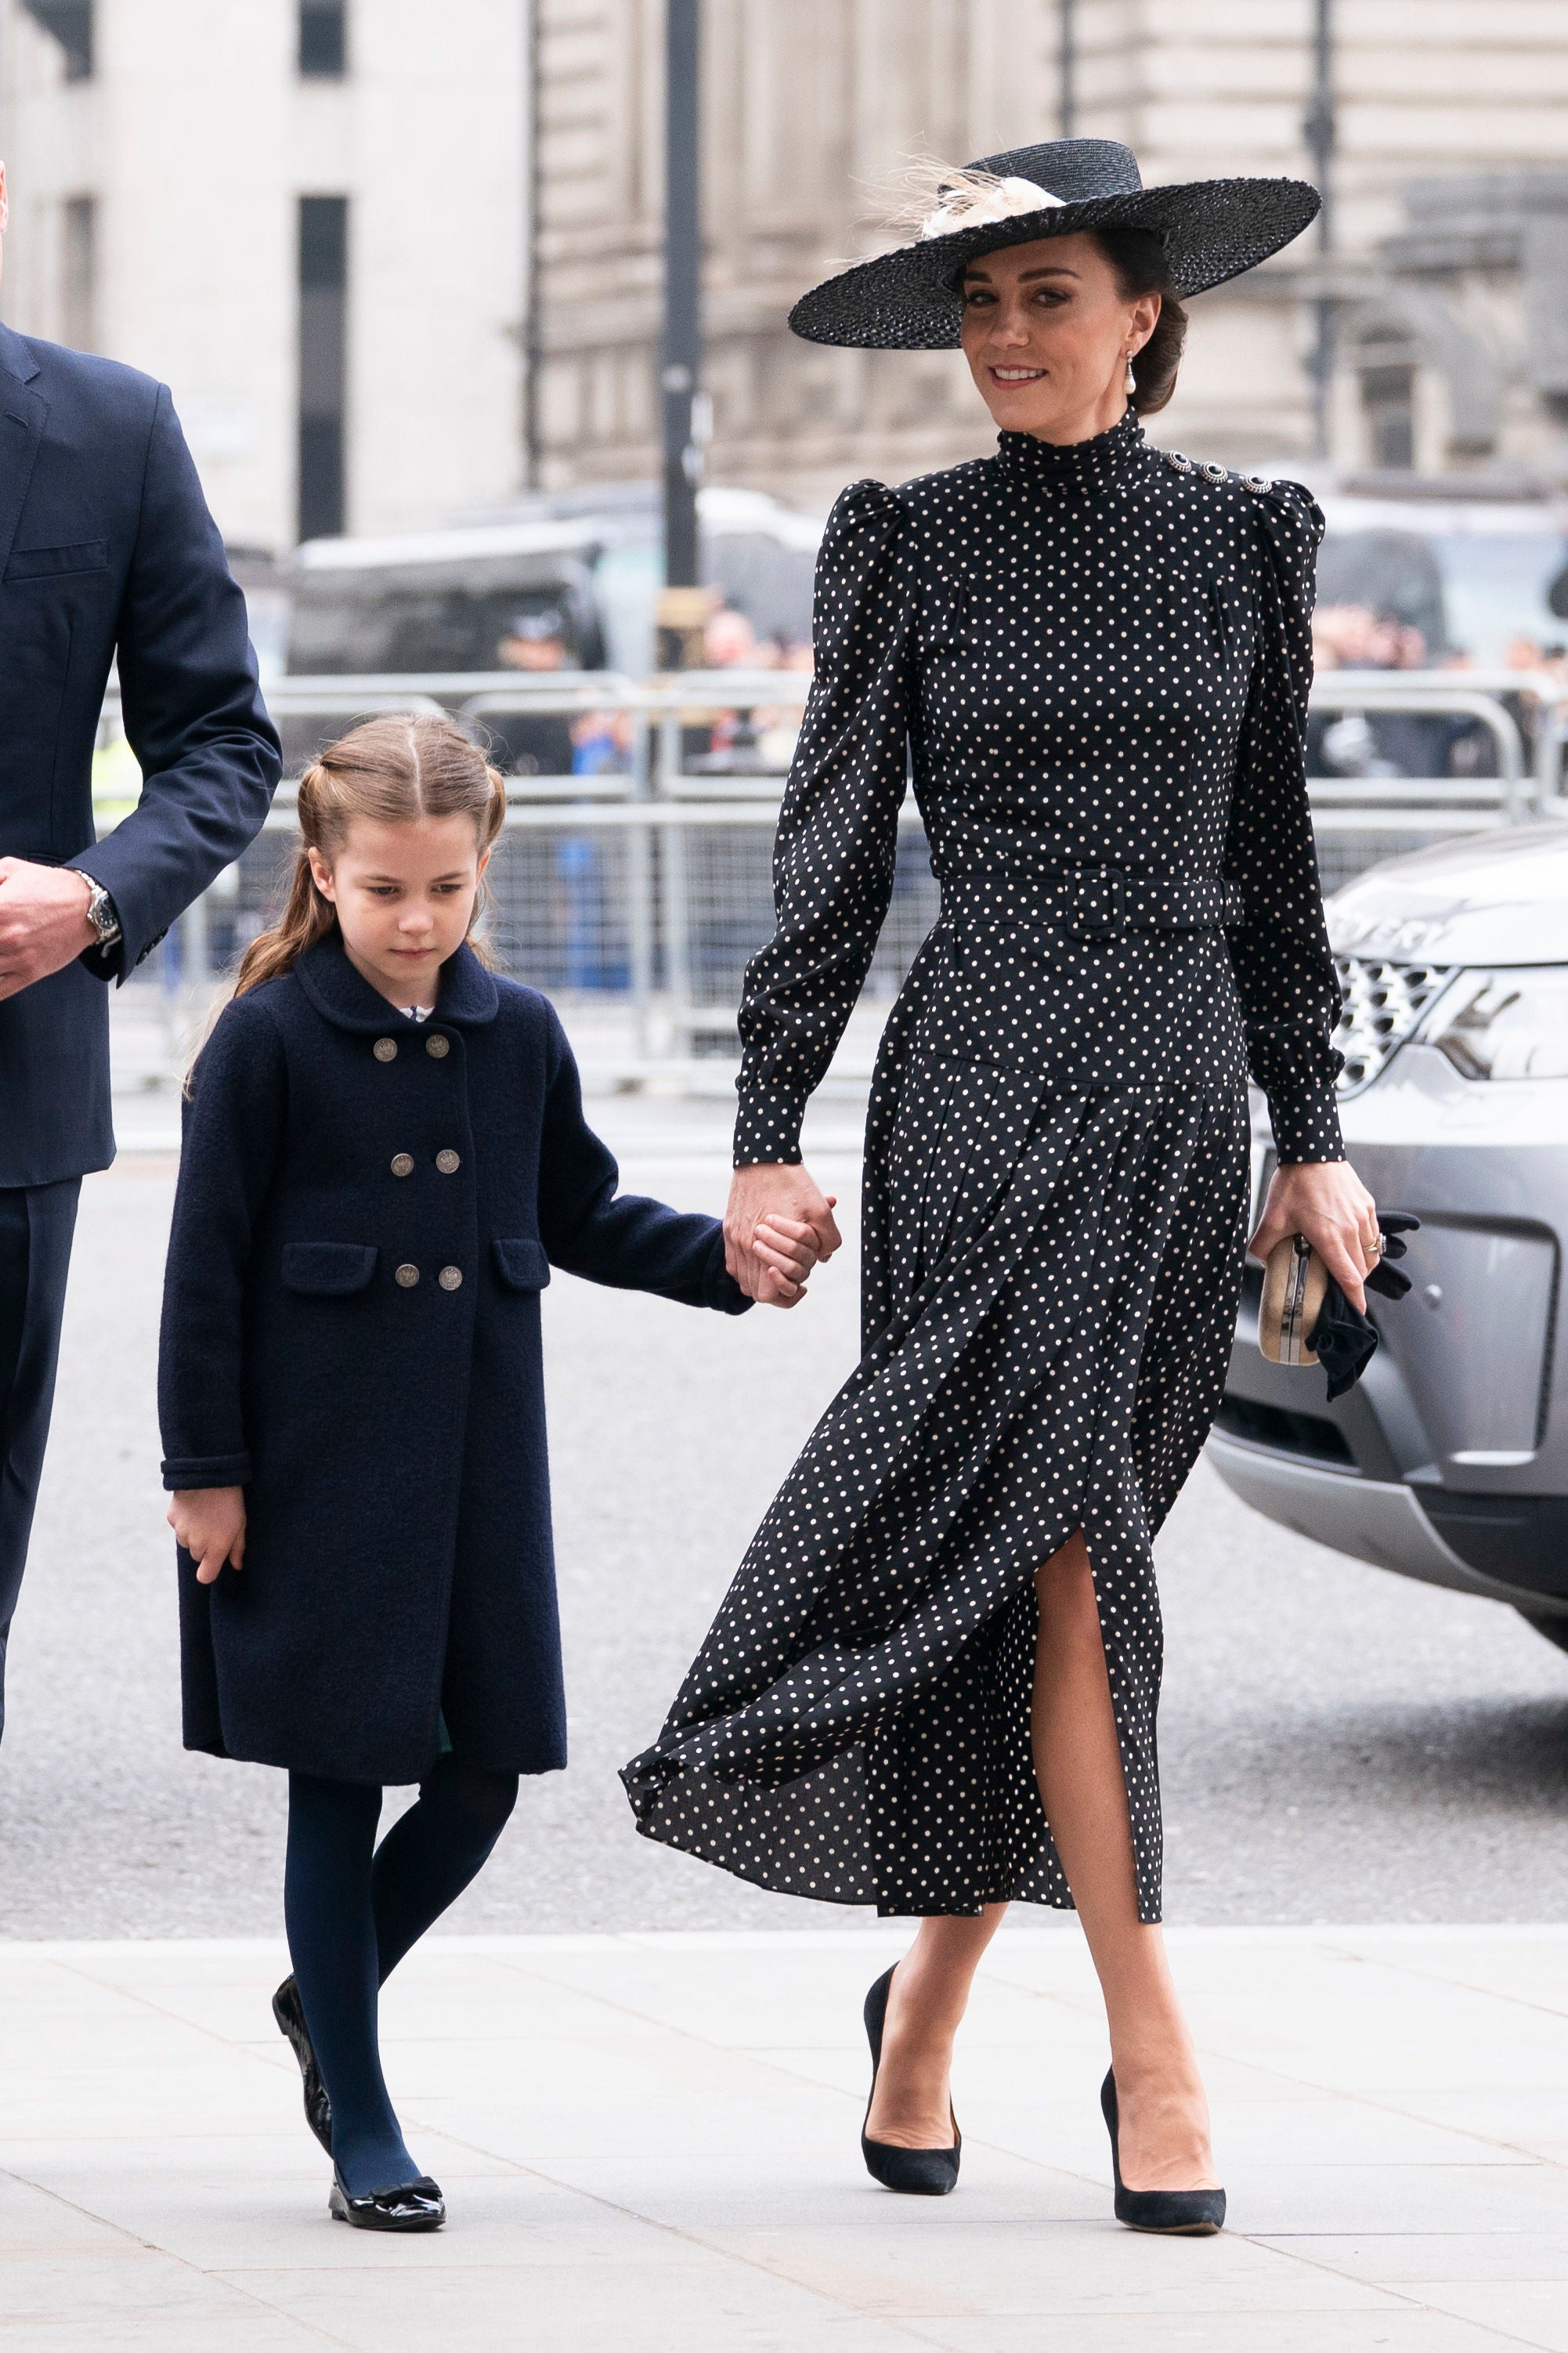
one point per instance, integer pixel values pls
(1401, 599)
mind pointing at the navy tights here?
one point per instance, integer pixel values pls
(353, 1909)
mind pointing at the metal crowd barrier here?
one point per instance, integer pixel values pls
(637, 896)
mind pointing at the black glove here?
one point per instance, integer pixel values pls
(1344, 1340)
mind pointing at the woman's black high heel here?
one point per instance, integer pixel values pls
(1191, 2213)
(412, 2205)
(289, 2012)
(918, 2172)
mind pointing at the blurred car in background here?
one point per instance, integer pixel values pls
(1449, 1462)
(451, 600)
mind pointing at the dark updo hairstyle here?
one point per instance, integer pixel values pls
(1138, 259)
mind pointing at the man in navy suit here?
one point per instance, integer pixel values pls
(106, 549)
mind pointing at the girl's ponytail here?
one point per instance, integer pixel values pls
(307, 916)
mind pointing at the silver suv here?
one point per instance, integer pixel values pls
(1449, 1463)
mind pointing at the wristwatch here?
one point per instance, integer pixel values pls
(101, 913)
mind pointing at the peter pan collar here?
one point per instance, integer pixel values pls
(467, 998)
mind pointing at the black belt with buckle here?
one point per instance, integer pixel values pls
(1092, 903)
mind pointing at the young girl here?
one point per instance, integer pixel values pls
(385, 1153)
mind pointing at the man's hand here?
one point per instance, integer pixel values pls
(1325, 1200)
(210, 1523)
(786, 1197)
(44, 921)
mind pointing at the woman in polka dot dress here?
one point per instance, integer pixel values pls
(933, 1686)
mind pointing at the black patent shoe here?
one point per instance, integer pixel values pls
(289, 2012)
(917, 2172)
(413, 2206)
(1186, 2213)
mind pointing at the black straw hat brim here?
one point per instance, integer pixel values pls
(909, 300)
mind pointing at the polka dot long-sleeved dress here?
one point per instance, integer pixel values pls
(1095, 659)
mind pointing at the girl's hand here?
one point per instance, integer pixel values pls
(1325, 1200)
(210, 1523)
(787, 1250)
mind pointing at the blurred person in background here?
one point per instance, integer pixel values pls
(107, 551)
(534, 643)
(933, 1684)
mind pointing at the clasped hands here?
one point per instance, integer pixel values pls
(778, 1227)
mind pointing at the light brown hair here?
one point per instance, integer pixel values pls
(393, 771)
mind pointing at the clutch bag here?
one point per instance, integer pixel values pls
(1295, 1283)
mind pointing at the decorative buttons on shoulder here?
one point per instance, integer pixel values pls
(447, 1162)
(385, 1049)
(450, 1278)
(1174, 458)
(438, 1046)
(406, 1276)
(402, 1163)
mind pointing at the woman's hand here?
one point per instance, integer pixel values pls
(784, 1197)
(210, 1523)
(1325, 1200)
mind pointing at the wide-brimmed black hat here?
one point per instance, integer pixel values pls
(908, 299)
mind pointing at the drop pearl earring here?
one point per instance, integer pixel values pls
(1131, 384)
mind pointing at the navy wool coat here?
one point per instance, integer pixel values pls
(368, 1209)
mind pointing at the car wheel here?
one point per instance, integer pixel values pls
(1554, 1628)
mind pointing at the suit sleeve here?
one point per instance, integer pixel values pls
(209, 755)
(624, 1240)
(232, 1131)
(1284, 972)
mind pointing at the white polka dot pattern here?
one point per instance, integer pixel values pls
(1097, 659)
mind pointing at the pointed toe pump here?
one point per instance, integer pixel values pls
(917, 2172)
(289, 2012)
(1178, 2213)
(412, 2205)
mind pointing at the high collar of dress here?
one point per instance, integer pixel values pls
(1024, 459)
(344, 997)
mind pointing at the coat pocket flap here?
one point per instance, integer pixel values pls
(58, 563)
(522, 1265)
(328, 1269)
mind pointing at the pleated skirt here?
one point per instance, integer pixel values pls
(1051, 1282)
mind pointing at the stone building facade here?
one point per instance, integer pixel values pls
(308, 216)
(1449, 224)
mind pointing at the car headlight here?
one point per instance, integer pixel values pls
(1506, 1025)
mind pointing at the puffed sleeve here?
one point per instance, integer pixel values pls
(838, 827)
(1290, 995)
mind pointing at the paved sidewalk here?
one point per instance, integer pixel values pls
(648, 2145)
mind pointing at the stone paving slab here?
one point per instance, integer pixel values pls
(648, 2144)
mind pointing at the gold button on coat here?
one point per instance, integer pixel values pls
(407, 1276)
(385, 1049)
(447, 1162)
(450, 1277)
(438, 1046)
(402, 1163)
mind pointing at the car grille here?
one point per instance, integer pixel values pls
(1382, 1004)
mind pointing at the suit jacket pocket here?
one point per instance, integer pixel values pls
(522, 1265)
(58, 563)
(328, 1269)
